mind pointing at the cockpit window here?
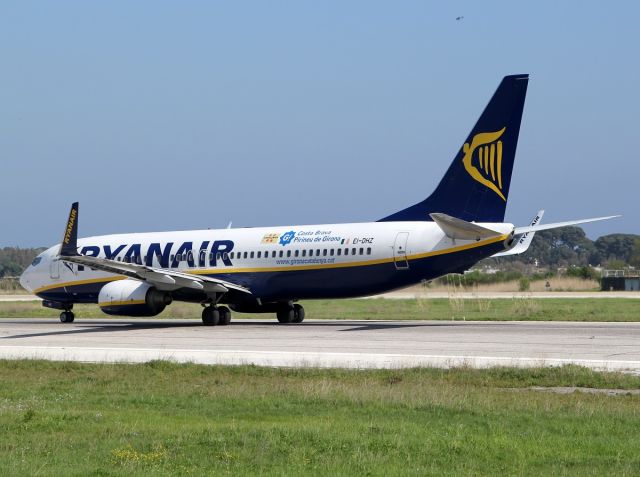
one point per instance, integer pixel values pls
(36, 261)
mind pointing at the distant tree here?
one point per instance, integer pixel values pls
(560, 248)
(570, 246)
(614, 247)
(615, 264)
(13, 260)
(634, 260)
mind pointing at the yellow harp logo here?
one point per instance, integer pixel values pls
(486, 166)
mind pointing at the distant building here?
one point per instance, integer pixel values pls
(627, 280)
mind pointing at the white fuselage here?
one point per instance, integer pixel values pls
(248, 253)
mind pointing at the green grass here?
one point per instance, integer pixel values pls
(502, 309)
(169, 419)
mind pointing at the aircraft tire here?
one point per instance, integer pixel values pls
(286, 315)
(225, 316)
(67, 317)
(298, 311)
(210, 316)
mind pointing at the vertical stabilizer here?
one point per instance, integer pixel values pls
(476, 186)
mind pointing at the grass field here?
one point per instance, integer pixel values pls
(170, 419)
(524, 308)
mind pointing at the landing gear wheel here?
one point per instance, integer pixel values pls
(210, 316)
(298, 312)
(225, 315)
(286, 315)
(67, 317)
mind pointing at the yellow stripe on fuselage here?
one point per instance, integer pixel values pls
(291, 268)
(79, 282)
(106, 304)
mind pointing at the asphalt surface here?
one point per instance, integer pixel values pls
(347, 344)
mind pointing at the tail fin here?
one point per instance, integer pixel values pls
(476, 186)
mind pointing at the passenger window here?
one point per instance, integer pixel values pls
(218, 256)
(353, 251)
(172, 257)
(304, 253)
(231, 255)
(190, 256)
(361, 251)
(251, 254)
(339, 252)
(324, 252)
(346, 251)
(288, 253)
(259, 254)
(317, 252)
(368, 250)
(295, 254)
(246, 254)
(331, 252)
(273, 254)
(225, 256)
(281, 253)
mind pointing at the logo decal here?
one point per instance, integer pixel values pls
(287, 237)
(270, 238)
(487, 166)
(72, 221)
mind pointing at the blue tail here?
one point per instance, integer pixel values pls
(476, 186)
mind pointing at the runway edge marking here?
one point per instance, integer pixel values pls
(299, 359)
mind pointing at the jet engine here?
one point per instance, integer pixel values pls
(132, 298)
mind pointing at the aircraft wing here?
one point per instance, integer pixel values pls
(162, 278)
(557, 225)
(523, 241)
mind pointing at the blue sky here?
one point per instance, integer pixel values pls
(179, 115)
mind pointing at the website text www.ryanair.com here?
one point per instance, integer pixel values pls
(305, 261)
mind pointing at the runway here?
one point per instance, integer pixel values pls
(345, 344)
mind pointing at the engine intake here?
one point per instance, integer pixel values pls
(132, 298)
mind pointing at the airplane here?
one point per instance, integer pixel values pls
(271, 269)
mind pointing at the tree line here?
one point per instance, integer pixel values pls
(13, 260)
(569, 246)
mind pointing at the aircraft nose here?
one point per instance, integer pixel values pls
(25, 280)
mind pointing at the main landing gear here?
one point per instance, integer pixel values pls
(67, 316)
(216, 315)
(291, 314)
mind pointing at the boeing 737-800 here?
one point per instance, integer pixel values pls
(269, 270)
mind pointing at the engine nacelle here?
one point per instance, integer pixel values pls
(132, 298)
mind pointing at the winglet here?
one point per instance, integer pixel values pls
(69, 245)
(524, 240)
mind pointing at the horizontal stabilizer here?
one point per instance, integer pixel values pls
(557, 225)
(461, 229)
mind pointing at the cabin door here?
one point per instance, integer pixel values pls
(400, 251)
(54, 269)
